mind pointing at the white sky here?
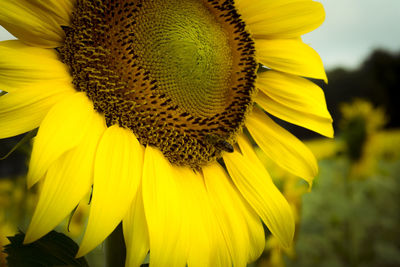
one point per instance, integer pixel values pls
(352, 29)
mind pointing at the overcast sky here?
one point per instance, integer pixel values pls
(352, 29)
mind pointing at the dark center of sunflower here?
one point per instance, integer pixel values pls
(178, 73)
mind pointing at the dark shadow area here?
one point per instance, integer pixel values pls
(377, 80)
(15, 164)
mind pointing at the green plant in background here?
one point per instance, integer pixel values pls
(358, 128)
(352, 216)
(349, 221)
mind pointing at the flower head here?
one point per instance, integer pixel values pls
(143, 104)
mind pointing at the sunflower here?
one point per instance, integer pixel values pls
(149, 106)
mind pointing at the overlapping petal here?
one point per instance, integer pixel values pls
(183, 225)
(60, 10)
(240, 225)
(256, 186)
(291, 56)
(281, 146)
(117, 174)
(61, 130)
(22, 66)
(68, 180)
(282, 19)
(136, 233)
(206, 243)
(295, 100)
(164, 211)
(34, 22)
(23, 110)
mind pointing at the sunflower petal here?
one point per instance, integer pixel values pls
(253, 8)
(291, 56)
(286, 112)
(117, 173)
(67, 182)
(31, 22)
(22, 65)
(181, 223)
(60, 10)
(136, 234)
(284, 19)
(61, 130)
(22, 111)
(295, 100)
(206, 242)
(256, 186)
(241, 226)
(163, 209)
(281, 146)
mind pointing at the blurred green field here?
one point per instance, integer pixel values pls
(351, 217)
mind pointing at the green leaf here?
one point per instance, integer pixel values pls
(25, 139)
(54, 249)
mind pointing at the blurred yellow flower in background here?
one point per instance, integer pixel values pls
(359, 125)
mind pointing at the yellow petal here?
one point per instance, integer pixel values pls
(22, 65)
(281, 146)
(183, 227)
(291, 56)
(201, 229)
(257, 188)
(250, 8)
(61, 130)
(60, 10)
(240, 225)
(23, 110)
(283, 19)
(295, 100)
(31, 22)
(68, 180)
(163, 209)
(136, 234)
(117, 173)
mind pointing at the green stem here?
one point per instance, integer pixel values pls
(115, 251)
(349, 227)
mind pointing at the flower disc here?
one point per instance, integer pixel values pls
(179, 73)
